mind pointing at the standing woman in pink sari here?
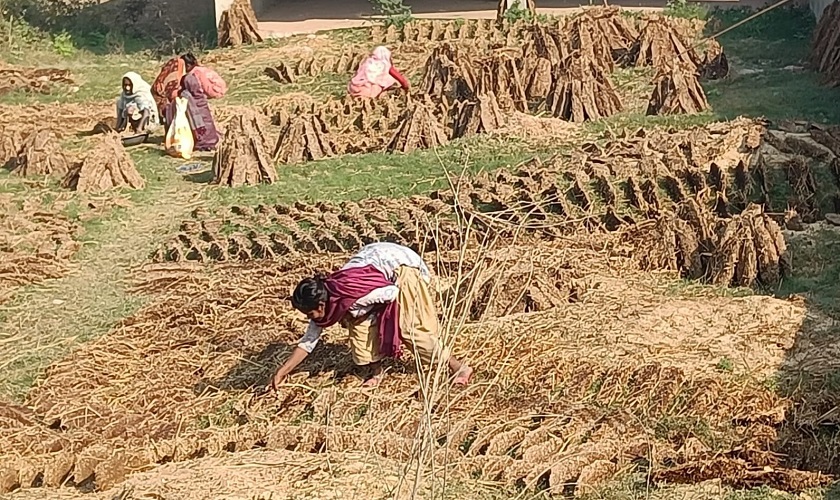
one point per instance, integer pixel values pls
(375, 75)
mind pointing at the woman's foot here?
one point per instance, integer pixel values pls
(374, 381)
(463, 376)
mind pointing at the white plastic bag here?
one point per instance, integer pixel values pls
(179, 138)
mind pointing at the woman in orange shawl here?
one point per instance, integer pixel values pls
(167, 85)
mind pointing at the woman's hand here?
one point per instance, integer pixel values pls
(294, 360)
(276, 381)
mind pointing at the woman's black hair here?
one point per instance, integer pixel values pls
(189, 59)
(309, 294)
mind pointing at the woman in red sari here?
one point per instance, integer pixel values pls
(167, 85)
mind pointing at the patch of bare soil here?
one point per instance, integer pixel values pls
(35, 243)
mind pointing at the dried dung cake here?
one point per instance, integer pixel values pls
(106, 167)
(581, 91)
(418, 129)
(239, 26)
(282, 73)
(32, 79)
(826, 45)
(750, 248)
(499, 74)
(242, 158)
(670, 243)
(677, 91)
(447, 75)
(41, 155)
(11, 142)
(739, 473)
(477, 117)
(539, 84)
(305, 138)
(713, 65)
(584, 34)
(660, 45)
(542, 42)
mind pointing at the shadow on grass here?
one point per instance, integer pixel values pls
(769, 75)
(256, 369)
(204, 177)
(810, 374)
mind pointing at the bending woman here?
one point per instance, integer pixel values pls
(381, 296)
(198, 110)
(136, 106)
(375, 75)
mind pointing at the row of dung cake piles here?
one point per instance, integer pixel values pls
(704, 176)
(562, 68)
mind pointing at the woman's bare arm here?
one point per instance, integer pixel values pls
(297, 356)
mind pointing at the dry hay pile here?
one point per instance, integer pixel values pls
(41, 155)
(305, 138)
(419, 129)
(238, 25)
(478, 117)
(419, 223)
(35, 242)
(41, 80)
(581, 91)
(677, 91)
(314, 66)
(825, 47)
(107, 166)
(571, 417)
(242, 158)
(661, 45)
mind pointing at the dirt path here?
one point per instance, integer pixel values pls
(46, 321)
